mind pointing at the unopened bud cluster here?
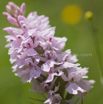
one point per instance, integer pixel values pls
(13, 11)
(38, 58)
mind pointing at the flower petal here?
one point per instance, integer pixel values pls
(73, 88)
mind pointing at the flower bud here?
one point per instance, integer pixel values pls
(8, 8)
(21, 18)
(23, 8)
(89, 15)
(12, 6)
(12, 20)
(6, 14)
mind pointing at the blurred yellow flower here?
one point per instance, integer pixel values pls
(71, 14)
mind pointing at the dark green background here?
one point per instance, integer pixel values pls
(12, 90)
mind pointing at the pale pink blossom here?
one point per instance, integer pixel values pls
(38, 57)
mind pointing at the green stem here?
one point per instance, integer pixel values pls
(36, 99)
(97, 48)
(61, 87)
(82, 101)
(44, 96)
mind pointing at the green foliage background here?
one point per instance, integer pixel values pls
(12, 90)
